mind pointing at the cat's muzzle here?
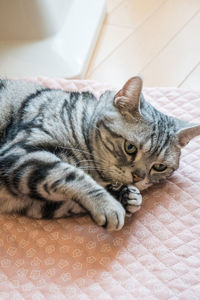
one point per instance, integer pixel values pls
(137, 178)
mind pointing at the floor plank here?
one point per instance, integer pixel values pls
(193, 79)
(177, 60)
(132, 13)
(146, 42)
(110, 38)
(112, 4)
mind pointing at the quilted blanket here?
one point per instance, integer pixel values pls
(155, 256)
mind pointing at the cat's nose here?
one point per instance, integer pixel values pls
(136, 178)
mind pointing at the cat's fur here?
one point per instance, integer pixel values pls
(63, 153)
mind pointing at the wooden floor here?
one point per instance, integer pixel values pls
(157, 39)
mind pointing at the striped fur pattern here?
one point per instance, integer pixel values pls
(62, 153)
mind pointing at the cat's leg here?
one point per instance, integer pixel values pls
(43, 178)
(129, 196)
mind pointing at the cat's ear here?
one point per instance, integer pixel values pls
(127, 100)
(187, 133)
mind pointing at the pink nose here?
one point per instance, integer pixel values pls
(137, 178)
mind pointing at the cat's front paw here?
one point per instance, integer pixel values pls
(109, 214)
(131, 199)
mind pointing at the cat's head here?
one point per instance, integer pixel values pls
(137, 144)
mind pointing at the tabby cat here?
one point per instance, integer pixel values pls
(65, 153)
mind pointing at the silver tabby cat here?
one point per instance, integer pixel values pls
(63, 153)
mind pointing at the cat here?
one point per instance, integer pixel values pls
(66, 153)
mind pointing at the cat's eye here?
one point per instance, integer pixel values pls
(159, 167)
(130, 148)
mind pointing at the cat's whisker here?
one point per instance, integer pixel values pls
(94, 163)
(91, 167)
(86, 152)
(102, 169)
(82, 151)
(86, 160)
(76, 149)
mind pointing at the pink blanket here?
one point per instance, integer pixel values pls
(155, 256)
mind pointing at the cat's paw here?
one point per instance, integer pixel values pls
(109, 214)
(131, 199)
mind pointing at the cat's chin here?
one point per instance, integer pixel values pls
(142, 185)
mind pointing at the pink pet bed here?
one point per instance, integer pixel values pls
(155, 256)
